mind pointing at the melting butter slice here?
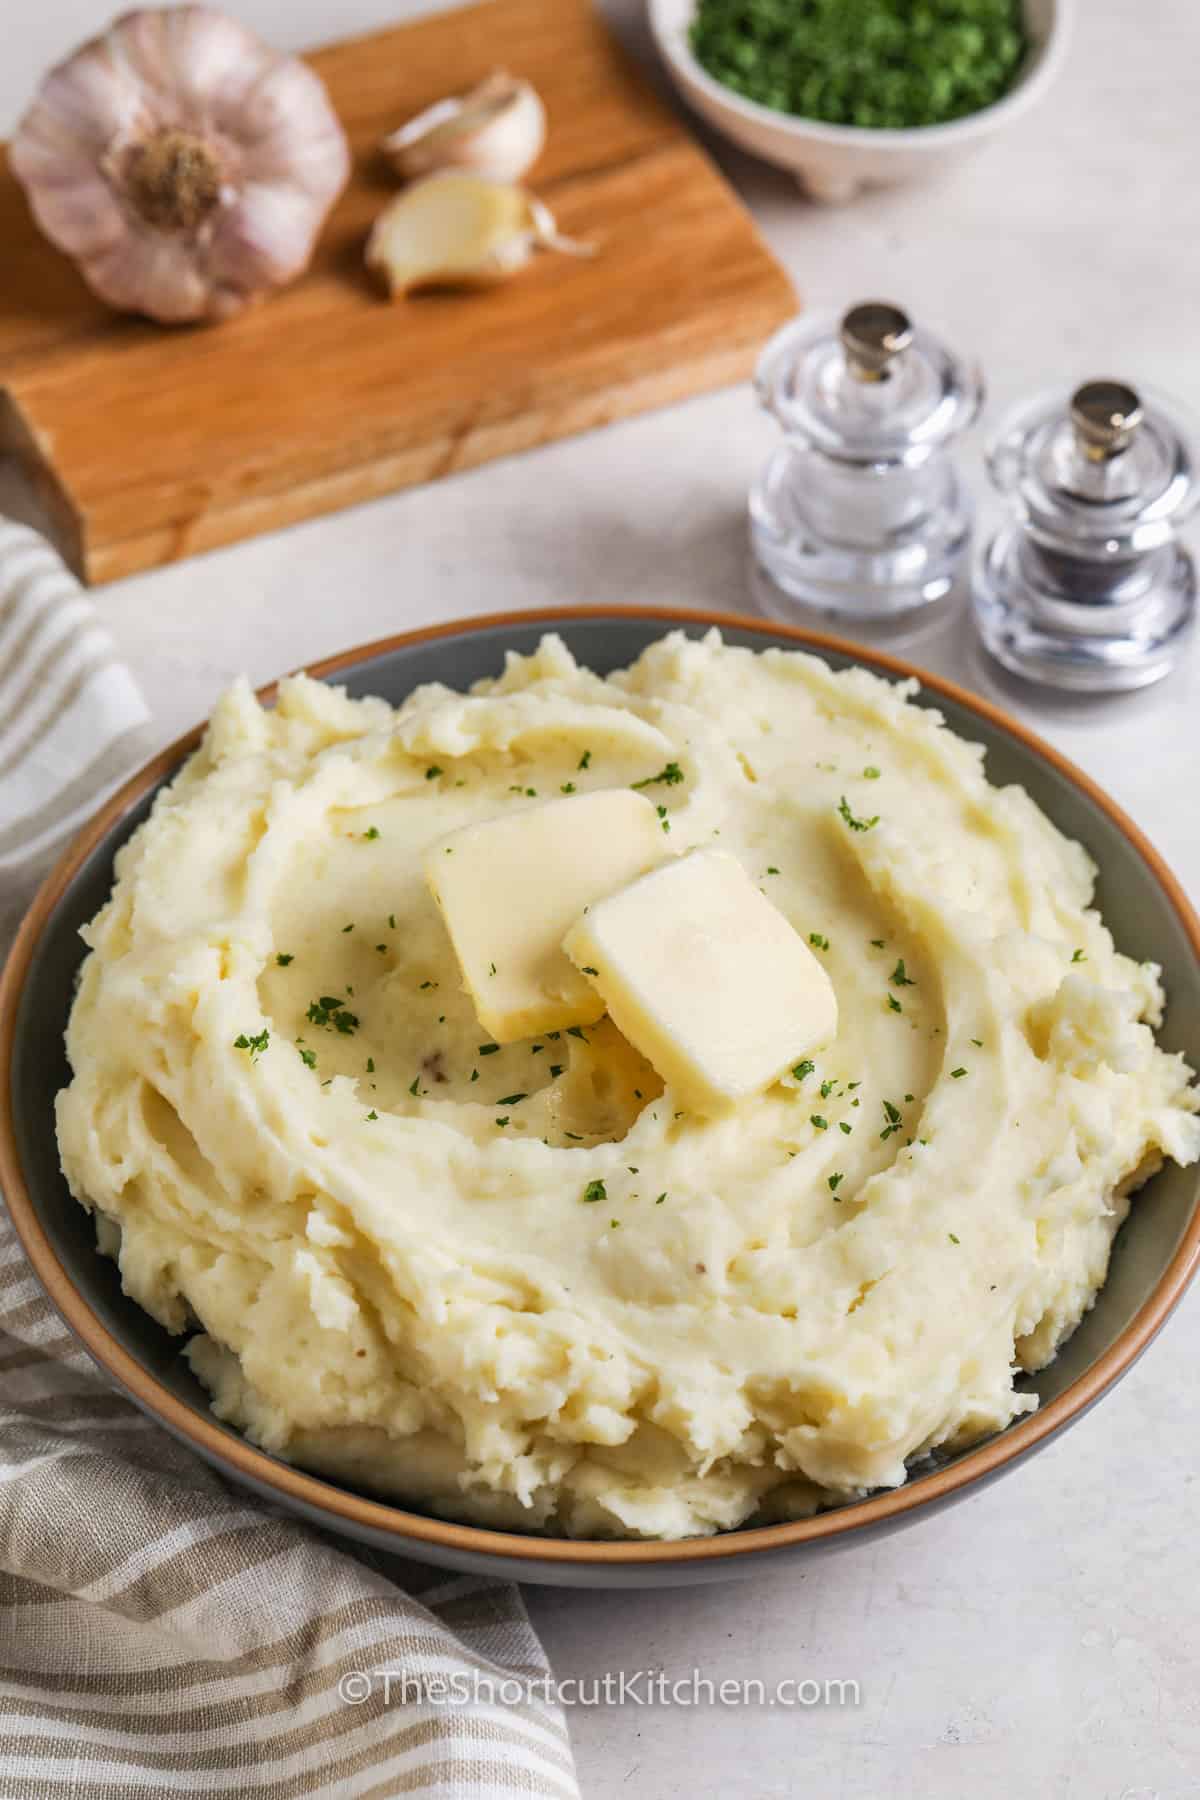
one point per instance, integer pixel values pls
(509, 889)
(706, 978)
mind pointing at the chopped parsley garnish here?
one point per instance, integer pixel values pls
(878, 943)
(585, 759)
(613, 1223)
(855, 824)
(503, 1122)
(392, 921)
(978, 1043)
(819, 1123)
(957, 1074)
(835, 1182)
(844, 1127)
(371, 832)
(818, 940)
(432, 772)
(488, 1049)
(511, 1099)
(329, 1010)
(892, 1112)
(953, 1239)
(667, 777)
(556, 1070)
(414, 1086)
(491, 968)
(576, 1031)
(595, 1190)
(803, 1068)
(588, 970)
(474, 1074)
(870, 773)
(307, 1057)
(346, 928)
(631, 1168)
(372, 1115)
(255, 1045)
(850, 1087)
(568, 787)
(900, 976)
(661, 1198)
(772, 870)
(1078, 956)
(284, 959)
(662, 817)
(426, 984)
(893, 1004)
(382, 949)
(575, 1135)
(370, 1065)
(827, 1088)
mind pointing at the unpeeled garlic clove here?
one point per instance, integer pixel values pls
(498, 130)
(458, 229)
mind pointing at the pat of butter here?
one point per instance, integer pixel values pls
(706, 978)
(510, 888)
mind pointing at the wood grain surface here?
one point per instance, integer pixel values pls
(150, 443)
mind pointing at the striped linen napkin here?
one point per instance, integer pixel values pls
(160, 1633)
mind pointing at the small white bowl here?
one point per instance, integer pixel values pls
(835, 162)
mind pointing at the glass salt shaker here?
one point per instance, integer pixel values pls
(860, 512)
(1086, 586)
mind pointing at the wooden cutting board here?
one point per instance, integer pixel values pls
(149, 443)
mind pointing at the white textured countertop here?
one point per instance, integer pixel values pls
(1042, 1638)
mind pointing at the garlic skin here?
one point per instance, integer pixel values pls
(456, 229)
(182, 163)
(498, 130)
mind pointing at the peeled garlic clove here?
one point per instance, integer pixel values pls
(183, 164)
(460, 230)
(497, 130)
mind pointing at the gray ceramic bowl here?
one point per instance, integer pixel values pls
(1154, 1258)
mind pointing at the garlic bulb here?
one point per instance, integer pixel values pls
(184, 165)
(498, 130)
(460, 230)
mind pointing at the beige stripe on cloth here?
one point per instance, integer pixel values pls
(161, 1634)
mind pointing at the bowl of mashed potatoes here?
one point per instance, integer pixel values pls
(477, 1256)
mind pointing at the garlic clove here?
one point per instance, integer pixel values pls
(457, 229)
(498, 129)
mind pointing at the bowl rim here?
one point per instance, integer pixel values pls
(1031, 81)
(380, 1518)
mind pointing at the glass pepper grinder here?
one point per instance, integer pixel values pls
(860, 512)
(1087, 586)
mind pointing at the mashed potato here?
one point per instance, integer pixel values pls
(520, 1285)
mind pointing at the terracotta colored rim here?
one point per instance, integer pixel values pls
(289, 1483)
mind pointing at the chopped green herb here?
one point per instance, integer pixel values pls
(576, 1031)
(585, 759)
(488, 1049)
(835, 1182)
(900, 976)
(307, 1057)
(328, 1010)
(556, 1070)
(870, 773)
(590, 971)
(382, 949)
(661, 1198)
(576, 1135)
(803, 1068)
(957, 1074)
(284, 959)
(818, 940)
(892, 1112)
(663, 820)
(568, 787)
(414, 1086)
(346, 928)
(503, 1122)
(893, 1004)
(879, 943)
(613, 1223)
(855, 824)
(827, 1088)
(370, 1065)
(908, 1096)
(255, 1045)
(392, 921)
(371, 832)
(1078, 956)
(372, 1114)
(595, 1190)
(820, 1123)
(953, 1239)
(426, 984)
(978, 1043)
(432, 772)
(474, 1074)
(554, 1036)
(491, 968)
(511, 1099)
(631, 1168)
(842, 1126)
(667, 776)
(772, 870)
